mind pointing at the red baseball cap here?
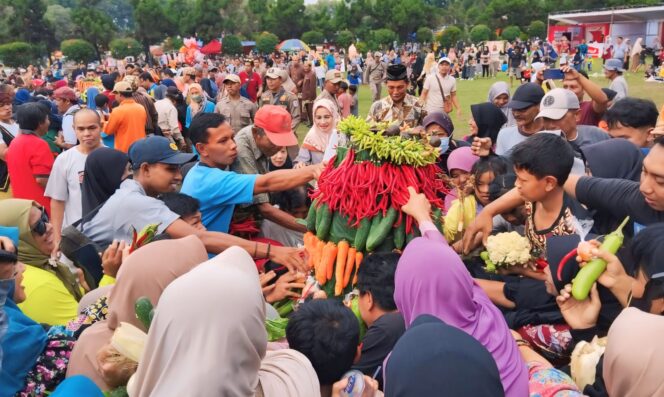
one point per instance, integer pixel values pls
(276, 122)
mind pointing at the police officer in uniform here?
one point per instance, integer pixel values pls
(277, 95)
(238, 110)
(398, 106)
(333, 81)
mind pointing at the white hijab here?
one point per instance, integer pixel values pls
(208, 335)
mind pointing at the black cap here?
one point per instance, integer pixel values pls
(157, 149)
(525, 96)
(441, 119)
(172, 92)
(397, 73)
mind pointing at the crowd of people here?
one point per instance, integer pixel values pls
(205, 160)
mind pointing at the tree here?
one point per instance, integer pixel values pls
(480, 33)
(57, 15)
(17, 53)
(127, 47)
(345, 38)
(313, 37)
(78, 50)
(424, 35)
(537, 29)
(146, 12)
(24, 21)
(510, 33)
(266, 42)
(285, 18)
(231, 45)
(450, 36)
(384, 37)
(94, 26)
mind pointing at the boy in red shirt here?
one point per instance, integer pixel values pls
(29, 159)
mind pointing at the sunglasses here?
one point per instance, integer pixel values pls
(40, 226)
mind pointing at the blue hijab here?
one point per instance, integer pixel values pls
(91, 94)
(24, 342)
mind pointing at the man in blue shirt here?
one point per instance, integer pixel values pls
(218, 190)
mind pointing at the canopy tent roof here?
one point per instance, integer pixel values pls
(636, 14)
(213, 47)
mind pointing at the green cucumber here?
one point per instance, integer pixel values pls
(143, 307)
(400, 235)
(380, 228)
(340, 229)
(415, 232)
(362, 234)
(311, 217)
(323, 222)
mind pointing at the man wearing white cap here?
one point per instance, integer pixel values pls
(439, 91)
(375, 74)
(559, 110)
(613, 70)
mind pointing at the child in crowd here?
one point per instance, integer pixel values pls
(344, 99)
(375, 281)
(354, 107)
(186, 206)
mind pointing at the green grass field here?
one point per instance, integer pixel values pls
(475, 91)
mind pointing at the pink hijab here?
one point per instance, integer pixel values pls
(431, 279)
(317, 140)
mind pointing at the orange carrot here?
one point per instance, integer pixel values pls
(342, 255)
(329, 260)
(350, 265)
(358, 260)
(310, 247)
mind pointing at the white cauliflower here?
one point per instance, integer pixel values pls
(508, 249)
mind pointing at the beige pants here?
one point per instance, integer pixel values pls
(375, 91)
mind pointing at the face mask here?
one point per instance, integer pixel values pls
(444, 144)
(197, 98)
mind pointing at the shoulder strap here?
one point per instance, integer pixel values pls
(88, 217)
(7, 137)
(440, 86)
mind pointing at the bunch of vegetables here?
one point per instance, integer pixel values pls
(506, 249)
(357, 205)
(146, 235)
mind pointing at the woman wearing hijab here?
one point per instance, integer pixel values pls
(317, 139)
(146, 272)
(440, 125)
(487, 120)
(104, 171)
(459, 163)
(499, 95)
(197, 103)
(432, 279)
(634, 355)
(90, 95)
(435, 359)
(220, 349)
(22, 344)
(52, 290)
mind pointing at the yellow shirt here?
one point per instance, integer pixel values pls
(106, 280)
(47, 300)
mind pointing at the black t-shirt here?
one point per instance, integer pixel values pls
(378, 343)
(620, 197)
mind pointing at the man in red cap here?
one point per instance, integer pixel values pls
(219, 191)
(67, 103)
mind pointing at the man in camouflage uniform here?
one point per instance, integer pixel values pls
(375, 75)
(238, 110)
(399, 106)
(277, 95)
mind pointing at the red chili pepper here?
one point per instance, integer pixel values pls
(563, 262)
